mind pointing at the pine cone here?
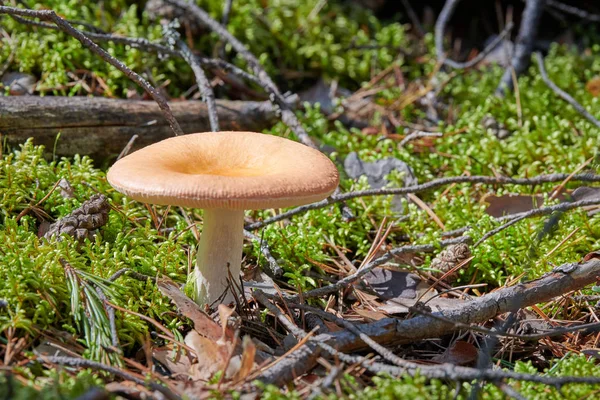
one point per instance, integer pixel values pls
(450, 258)
(83, 221)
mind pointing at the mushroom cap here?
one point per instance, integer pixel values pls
(228, 170)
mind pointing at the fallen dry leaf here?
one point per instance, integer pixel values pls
(211, 357)
(460, 353)
(224, 314)
(392, 284)
(593, 86)
(202, 322)
(332, 326)
(587, 193)
(499, 206)
(178, 363)
(589, 256)
(369, 314)
(247, 363)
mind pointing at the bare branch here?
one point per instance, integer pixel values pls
(490, 180)
(287, 115)
(562, 94)
(524, 45)
(440, 28)
(563, 279)
(82, 362)
(144, 44)
(49, 15)
(417, 135)
(573, 11)
(207, 93)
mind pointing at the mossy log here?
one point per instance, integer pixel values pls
(101, 127)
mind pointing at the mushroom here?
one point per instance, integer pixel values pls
(224, 173)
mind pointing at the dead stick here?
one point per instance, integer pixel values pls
(287, 115)
(203, 85)
(102, 127)
(562, 94)
(524, 45)
(561, 280)
(82, 362)
(490, 180)
(49, 15)
(440, 28)
(573, 11)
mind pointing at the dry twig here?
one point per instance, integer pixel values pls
(562, 94)
(440, 28)
(573, 11)
(561, 280)
(62, 24)
(203, 84)
(490, 180)
(287, 115)
(82, 362)
(524, 45)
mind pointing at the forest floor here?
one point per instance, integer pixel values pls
(458, 260)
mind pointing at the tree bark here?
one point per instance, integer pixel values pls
(101, 127)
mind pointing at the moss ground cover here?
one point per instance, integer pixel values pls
(547, 137)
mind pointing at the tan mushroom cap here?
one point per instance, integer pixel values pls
(230, 170)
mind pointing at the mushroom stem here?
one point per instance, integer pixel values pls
(221, 243)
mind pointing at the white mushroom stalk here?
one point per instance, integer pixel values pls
(224, 173)
(220, 247)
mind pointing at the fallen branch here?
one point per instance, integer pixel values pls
(440, 28)
(573, 11)
(63, 25)
(490, 180)
(591, 327)
(524, 44)
(563, 279)
(391, 331)
(101, 127)
(203, 85)
(562, 94)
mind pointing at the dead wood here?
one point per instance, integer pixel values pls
(101, 127)
(524, 46)
(392, 331)
(562, 280)
(65, 26)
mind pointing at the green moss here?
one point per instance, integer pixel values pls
(49, 384)
(421, 388)
(548, 137)
(33, 280)
(337, 41)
